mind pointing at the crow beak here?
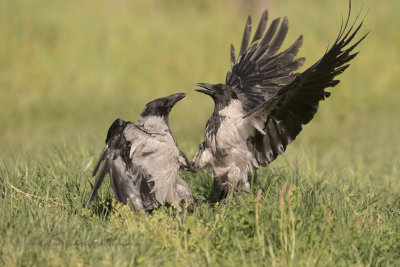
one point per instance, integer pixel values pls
(176, 97)
(209, 89)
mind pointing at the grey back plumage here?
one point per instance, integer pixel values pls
(143, 161)
(126, 177)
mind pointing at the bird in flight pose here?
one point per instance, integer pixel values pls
(143, 160)
(261, 107)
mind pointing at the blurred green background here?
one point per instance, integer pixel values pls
(69, 68)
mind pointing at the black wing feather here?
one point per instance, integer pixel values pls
(260, 71)
(297, 102)
(261, 27)
(246, 37)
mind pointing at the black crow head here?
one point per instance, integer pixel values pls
(222, 94)
(116, 127)
(161, 106)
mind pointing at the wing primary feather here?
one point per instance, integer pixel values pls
(233, 59)
(278, 40)
(100, 160)
(266, 40)
(346, 40)
(261, 26)
(246, 37)
(100, 178)
(359, 41)
(343, 30)
(352, 36)
(286, 56)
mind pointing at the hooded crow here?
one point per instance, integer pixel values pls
(143, 160)
(263, 104)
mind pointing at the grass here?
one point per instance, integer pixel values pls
(69, 68)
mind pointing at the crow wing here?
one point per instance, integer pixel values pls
(259, 70)
(296, 103)
(128, 180)
(160, 156)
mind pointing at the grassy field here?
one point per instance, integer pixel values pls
(69, 68)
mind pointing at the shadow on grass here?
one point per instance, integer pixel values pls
(102, 206)
(205, 189)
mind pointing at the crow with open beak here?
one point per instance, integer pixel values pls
(263, 104)
(143, 160)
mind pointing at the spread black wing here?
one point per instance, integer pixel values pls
(296, 103)
(260, 70)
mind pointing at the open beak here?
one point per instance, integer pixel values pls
(209, 89)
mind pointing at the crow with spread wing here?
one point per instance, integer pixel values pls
(263, 104)
(143, 160)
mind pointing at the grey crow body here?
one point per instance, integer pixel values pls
(263, 104)
(143, 160)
